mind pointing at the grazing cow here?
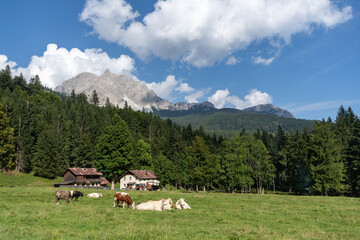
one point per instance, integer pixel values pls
(76, 195)
(124, 198)
(94, 195)
(65, 195)
(159, 205)
(181, 204)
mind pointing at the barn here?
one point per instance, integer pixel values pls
(83, 178)
(144, 179)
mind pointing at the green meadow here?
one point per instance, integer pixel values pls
(28, 211)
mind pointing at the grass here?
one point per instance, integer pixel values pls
(30, 213)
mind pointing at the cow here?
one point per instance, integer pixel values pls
(159, 205)
(94, 195)
(181, 204)
(124, 198)
(65, 195)
(76, 195)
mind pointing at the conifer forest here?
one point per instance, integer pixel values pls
(45, 132)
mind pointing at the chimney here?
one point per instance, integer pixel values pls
(146, 172)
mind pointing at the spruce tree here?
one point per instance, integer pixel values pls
(114, 150)
(327, 167)
(94, 98)
(7, 148)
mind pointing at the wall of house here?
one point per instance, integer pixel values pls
(131, 179)
(69, 176)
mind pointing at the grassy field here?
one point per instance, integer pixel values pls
(28, 212)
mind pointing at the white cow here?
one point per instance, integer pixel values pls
(160, 205)
(94, 195)
(181, 204)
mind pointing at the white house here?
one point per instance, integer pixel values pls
(146, 179)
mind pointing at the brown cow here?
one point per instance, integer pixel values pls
(124, 198)
(65, 195)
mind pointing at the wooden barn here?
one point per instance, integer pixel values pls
(83, 178)
(142, 179)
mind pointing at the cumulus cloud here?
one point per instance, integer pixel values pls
(260, 60)
(204, 32)
(58, 64)
(4, 62)
(232, 61)
(184, 88)
(193, 98)
(165, 88)
(221, 98)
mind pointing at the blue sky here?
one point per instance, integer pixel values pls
(304, 57)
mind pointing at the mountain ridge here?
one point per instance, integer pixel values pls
(121, 89)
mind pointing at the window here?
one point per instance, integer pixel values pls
(130, 178)
(124, 178)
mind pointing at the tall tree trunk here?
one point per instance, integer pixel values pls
(113, 184)
(197, 188)
(204, 189)
(274, 184)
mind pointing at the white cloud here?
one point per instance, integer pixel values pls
(58, 64)
(219, 99)
(222, 99)
(184, 88)
(165, 88)
(232, 61)
(4, 62)
(260, 60)
(193, 98)
(204, 32)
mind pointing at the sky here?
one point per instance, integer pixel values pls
(300, 55)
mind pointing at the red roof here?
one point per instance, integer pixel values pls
(104, 181)
(144, 174)
(84, 171)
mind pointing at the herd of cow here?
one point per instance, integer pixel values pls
(124, 198)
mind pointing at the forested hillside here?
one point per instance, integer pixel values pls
(229, 122)
(45, 133)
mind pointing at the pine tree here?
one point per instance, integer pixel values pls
(327, 168)
(94, 98)
(114, 151)
(7, 148)
(198, 162)
(5, 79)
(46, 161)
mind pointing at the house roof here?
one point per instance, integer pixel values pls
(104, 181)
(143, 174)
(84, 171)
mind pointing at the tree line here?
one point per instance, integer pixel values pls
(46, 132)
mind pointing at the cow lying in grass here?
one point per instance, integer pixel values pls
(94, 195)
(160, 205)
(124, 198)
(67, 195)
(181, 204)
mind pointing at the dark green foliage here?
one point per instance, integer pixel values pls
(48, 132)
(114, 150)
(326, 166)
(7, 150)
(94, 98)
(230, 122)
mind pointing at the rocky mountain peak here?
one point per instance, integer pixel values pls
(270, 109)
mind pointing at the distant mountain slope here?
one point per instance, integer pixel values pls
(118, 88)
(270, 109)
(228, 122)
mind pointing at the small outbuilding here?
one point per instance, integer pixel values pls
(139, 179)
(83, 178)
